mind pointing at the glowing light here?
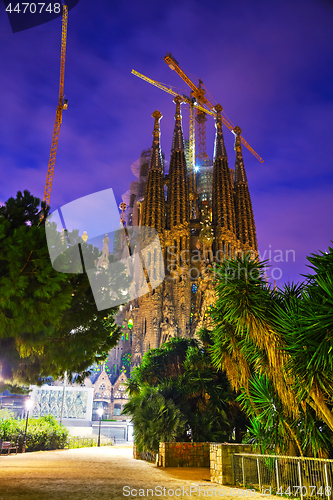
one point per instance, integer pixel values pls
(28, 404)
(130, 324)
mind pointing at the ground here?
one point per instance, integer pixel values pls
(101, 474)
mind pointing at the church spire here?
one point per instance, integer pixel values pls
(219, 150)
(223, 209)
(245, 226)
(178, 141)
(178, 191)
(240, 174)
(156, 156)
(153, 206)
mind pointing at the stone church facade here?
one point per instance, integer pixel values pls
(196, 228)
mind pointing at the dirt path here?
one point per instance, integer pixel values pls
(101, 474)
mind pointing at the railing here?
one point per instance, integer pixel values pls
(77, 442)
(284, 476)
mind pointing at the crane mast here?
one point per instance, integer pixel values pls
(192, 106)
(200, 105)
(199, 94)
(61, 106)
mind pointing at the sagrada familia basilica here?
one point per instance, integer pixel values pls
(195, 230)
(198, 225)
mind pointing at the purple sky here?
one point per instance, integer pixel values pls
(270, 65)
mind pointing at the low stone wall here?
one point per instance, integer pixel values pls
(136, 454)
(221, 470)
(143, 455)
(183, 455)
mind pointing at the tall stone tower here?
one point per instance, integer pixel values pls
(225, 226)
(223, 214)
(245, 227)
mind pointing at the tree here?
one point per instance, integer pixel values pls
(185, 394)
(272, 430)
(49, 322)
(307, 325)
(155, 418)
(278, 342)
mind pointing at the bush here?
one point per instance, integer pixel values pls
(43, 433)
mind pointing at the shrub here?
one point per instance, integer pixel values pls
(43, 433)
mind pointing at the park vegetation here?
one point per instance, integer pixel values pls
(177, 395)
(261, 372)
(276, 348)
(268, 350)
(43, 433)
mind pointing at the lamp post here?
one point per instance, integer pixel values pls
(100, 412)
(63, 397)
(28, 405)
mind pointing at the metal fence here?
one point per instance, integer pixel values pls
(298, 477)
(77, 442)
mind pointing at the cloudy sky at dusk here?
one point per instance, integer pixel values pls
(270, 65)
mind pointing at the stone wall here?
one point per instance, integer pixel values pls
(183, 455)
(143, 455)
(136, 454)
(221, 470)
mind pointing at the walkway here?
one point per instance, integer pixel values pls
(106, 473)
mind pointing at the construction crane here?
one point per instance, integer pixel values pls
(61, 106)
(192, 105)
(198, 93)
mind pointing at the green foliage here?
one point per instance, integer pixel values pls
(81, 442)
(176, 395)
(276, 347)
(49, 322)
(271, 430)
(155, 418)
(307, 324)
(6, 414)
(43, 433)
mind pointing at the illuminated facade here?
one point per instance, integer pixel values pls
(224, 227)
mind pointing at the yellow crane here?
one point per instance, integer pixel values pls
(61, 106)
(198, 93)
(192, 106)
(198, 103)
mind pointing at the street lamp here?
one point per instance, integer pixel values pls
(100, 412)
(28, 405)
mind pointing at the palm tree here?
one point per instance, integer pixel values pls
(155, 419)
(271, 430)
(180, 376)
(244, 332)
(307, 325)
(282, 336)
